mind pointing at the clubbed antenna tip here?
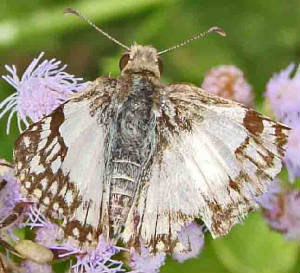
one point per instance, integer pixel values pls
(216, 29)
(70, 11)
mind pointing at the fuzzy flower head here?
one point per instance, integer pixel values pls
(145, 262)
(269, 198)
(192, 239)
(9, 190)
(283, 93)
(229, 82)
(49, 235)
(292, 155)
(281, 210)
(41, 89)
(99, 260)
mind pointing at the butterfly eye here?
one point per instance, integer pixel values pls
(124, 60)
(160, 64)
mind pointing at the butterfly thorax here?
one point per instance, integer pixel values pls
(131, 135)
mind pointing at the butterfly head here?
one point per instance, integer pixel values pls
(141, 60)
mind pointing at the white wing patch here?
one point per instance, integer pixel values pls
(84, 162)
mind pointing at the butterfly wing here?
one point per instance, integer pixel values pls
(215, 156)
(52, 156)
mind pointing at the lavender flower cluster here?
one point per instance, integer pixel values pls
(41, 89)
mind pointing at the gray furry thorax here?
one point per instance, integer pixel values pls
(133, 122)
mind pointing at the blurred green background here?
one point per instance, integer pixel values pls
(262, 38)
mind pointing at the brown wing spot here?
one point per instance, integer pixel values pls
(234, 185)
(253, 122)
(74, 229)
(281, 137)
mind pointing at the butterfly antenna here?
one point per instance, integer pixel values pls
(196, 37)
(72, 11)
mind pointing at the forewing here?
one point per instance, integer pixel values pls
(214, 157)
(60, 163)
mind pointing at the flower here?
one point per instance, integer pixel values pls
(145, 262)
(268, 199)
(192, 238)
(281, 210)
(229, 82)
(99, 260)
(41, 89)
(32, 267)
(49, 235)
(292, 158)
(283, 93)
(9, 190)
(35, 217)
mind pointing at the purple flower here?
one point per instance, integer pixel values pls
(41, 89)
(283, 93)
(35, 217)
(192, 239)
(292, 155)
(99, 260)
(49, 235)
(269, 198)
(145, 262)
(281, 210)
(32, 267)
(229, 82)
(10, 191)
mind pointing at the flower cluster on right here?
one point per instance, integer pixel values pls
(281, 203)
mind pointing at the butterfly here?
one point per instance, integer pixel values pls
(135, 159)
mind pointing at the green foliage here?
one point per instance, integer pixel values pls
(263, 37)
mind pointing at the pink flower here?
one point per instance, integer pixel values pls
(192, 238)
(283, 93)
(41, 89)
(229, 82)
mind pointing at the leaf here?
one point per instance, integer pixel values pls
(254, 248)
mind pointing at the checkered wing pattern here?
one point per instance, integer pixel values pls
(60, 163)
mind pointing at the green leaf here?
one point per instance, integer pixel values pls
(254, 248)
